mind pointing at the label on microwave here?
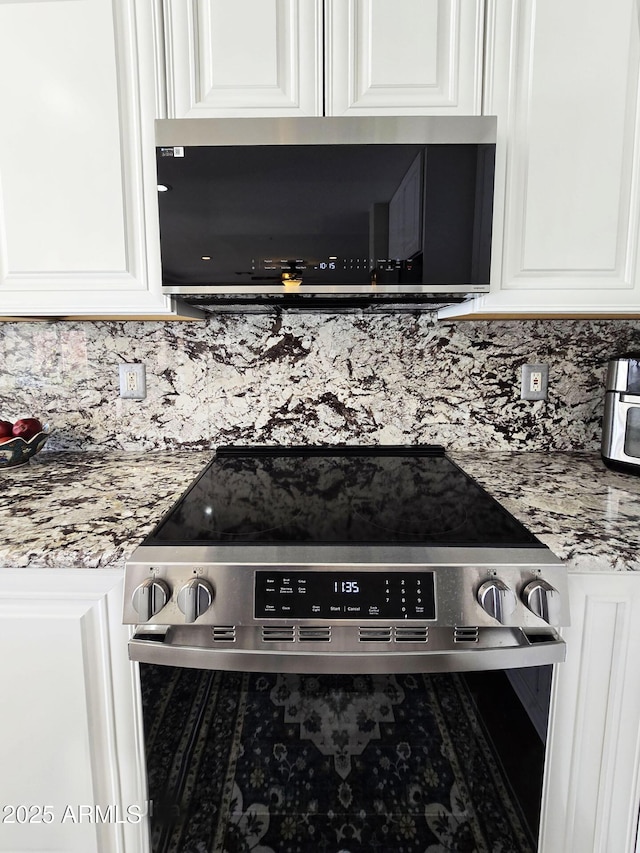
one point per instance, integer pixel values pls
(175, 151)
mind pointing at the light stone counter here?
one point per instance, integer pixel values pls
(90, 510)
(588, 515)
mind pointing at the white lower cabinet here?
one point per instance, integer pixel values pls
(71, 753)
(592, 777)
(71, 742)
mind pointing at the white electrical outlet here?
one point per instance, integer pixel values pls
(535, 379)
(133, 383)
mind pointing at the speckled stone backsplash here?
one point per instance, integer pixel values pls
(312, 378)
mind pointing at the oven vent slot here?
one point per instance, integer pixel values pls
(465, 635)
(278, 634)
(375, 635)
(308, 634)
(411, 634)
(223, 633)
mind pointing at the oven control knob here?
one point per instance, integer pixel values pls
(497, 599)
(543, 600)
(195, 598)
(150, 597)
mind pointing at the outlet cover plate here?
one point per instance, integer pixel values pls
(133, 382)
(535, 379)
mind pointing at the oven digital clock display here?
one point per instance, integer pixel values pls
(346, 586)
(344, 596)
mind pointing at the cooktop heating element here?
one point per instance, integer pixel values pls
(343, 559)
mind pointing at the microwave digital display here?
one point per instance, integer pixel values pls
(339, 216)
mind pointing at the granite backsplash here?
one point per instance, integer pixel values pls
(296, 378)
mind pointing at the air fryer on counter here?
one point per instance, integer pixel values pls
(621, 424)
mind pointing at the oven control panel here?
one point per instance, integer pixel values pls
(180, 593)
(345, 595)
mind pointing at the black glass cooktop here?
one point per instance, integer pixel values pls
(338, 495)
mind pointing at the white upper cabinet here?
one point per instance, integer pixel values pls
(242, 57)
(563, 80)
(81, 83)
(403, 57)
(306, 57)
(77, 100)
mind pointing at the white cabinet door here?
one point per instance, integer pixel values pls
(243, 57)
(78, 230)
(404, 57)
(563, 80)
(303, 57)
(71, 749)
(592, 786)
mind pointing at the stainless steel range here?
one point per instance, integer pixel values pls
(344, 560)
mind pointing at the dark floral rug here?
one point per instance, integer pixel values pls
(252, 763)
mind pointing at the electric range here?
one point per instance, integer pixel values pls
(343, 559)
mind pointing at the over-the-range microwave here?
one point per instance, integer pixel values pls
(372, 209)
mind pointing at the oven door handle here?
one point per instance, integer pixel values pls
(513, 648)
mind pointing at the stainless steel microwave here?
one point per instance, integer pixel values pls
(373, 208)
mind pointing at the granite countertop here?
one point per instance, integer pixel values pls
(588, 515)
(89, 510)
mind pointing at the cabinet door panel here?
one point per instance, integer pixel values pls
(243, 57)
(562, 78)
(403, 57)
(566, 97)
(592, 789)
(68, 736)
(59, 146)
(77, 186)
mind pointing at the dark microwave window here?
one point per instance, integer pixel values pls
(328, 214)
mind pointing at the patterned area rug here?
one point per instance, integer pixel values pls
(252, 763)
